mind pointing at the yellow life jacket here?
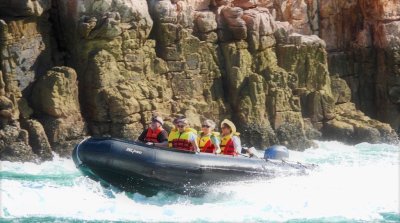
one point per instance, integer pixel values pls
(205, 143)
(175, 131)
(180, 140)
(171, 135)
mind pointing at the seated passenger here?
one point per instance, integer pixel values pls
(175, 122)
(207, 139)
(175, 129)
(155, 134)
(230, 141)
(183, 137)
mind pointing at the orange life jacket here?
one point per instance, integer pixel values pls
(180, 140)
(152, 135)
(227, 147)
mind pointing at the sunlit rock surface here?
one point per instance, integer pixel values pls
(285, 71)
(362, 39)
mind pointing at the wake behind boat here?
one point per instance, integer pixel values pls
(135, 166)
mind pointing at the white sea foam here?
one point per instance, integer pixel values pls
(352, 182)
(57, 166)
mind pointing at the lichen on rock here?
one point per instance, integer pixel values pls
(285, 72)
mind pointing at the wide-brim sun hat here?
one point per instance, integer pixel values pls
(230, 124)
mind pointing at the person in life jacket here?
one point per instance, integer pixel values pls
(230, 141)
(155, 135)
(175, 129)
(183, 137)
(207, 139)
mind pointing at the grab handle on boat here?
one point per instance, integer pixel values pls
(79, 163)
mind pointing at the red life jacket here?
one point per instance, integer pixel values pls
(181, 140)
(227, 147)
(152, 135)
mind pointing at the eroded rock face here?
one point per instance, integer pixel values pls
(362, 38)
(26, 53)
(260, 63)
(126, 78)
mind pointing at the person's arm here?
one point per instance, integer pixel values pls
(215, 141)
(237, 144)
(162, 139)
(163, 136)
(143, 136)
(193, 140)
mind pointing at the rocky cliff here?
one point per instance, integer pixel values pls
(285, 72)
(362, 40)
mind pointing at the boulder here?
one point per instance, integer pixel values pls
(258, 135)
(7, 109)
(107, 27)
(352, 126)
(306, 56)
(129, 12)
(64, 133)
(261, 27)
(340, 90)
(233, 22)
(38, 139)
(55, 100)
(23, 8)
(199, 5)
(297, 13)
(338, 130)
(245, 4)
(56, 93)
(14, 145)
(205, 22)
(289, 127)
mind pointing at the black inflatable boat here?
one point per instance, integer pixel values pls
(134, 166)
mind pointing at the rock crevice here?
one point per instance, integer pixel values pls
(285, 71)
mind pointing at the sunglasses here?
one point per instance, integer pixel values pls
(205, 126)
(225, 127)
(180, 126)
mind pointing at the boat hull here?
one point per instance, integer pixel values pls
(133, 166)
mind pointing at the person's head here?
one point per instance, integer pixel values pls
(227, 127)
(207, 126)
(181, 124)
(156, 122)
(175, 121)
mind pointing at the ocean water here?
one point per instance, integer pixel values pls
(352, 184)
